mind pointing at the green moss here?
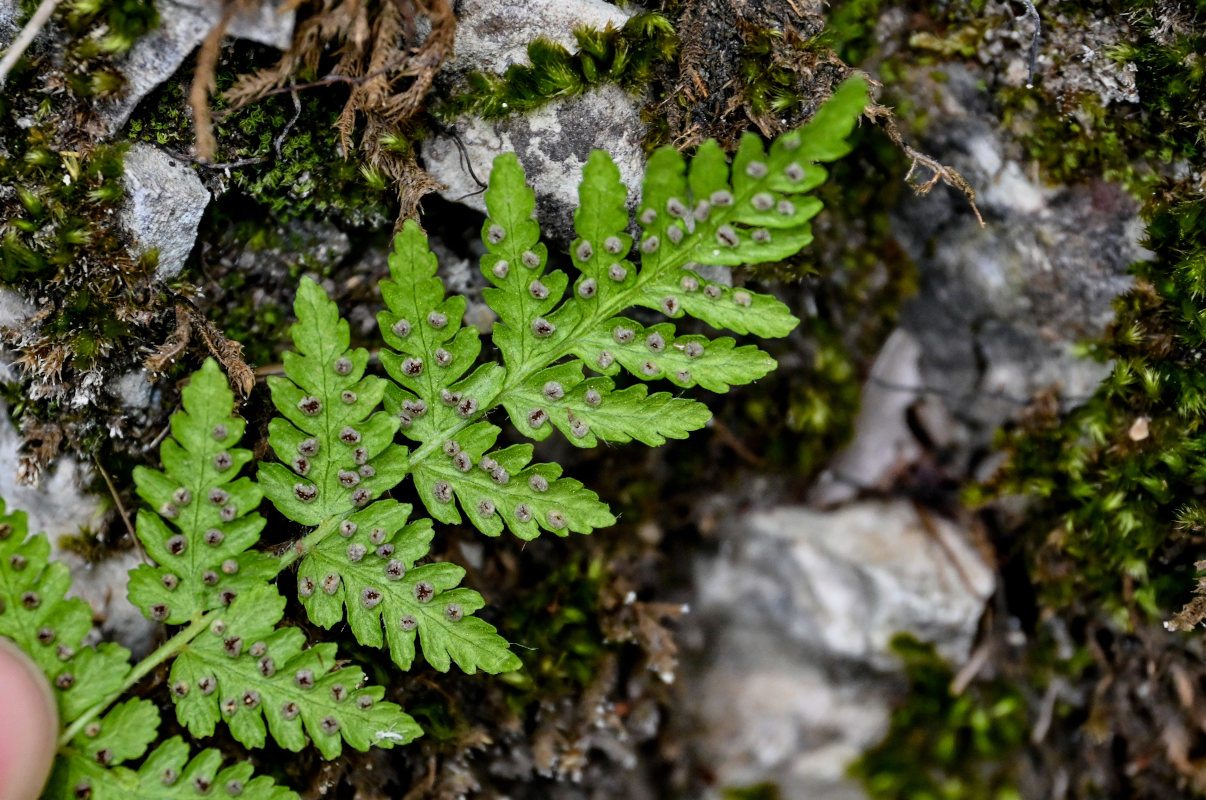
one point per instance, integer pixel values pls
(86, 543)
(761, 791)
(60, 245)
(1119, 477)
(850, 28)
(625, 56)
(946, 747)
(558, 622)
(58, 242)
(289, 162)
(1074, 137)
(123, 22)
(772, 64)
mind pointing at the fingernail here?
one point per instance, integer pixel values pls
(28, 739)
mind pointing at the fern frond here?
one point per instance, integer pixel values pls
(340, 457)
(123, 734)
(370, 569)
(245, 671)
(756, 211)
(205, 515)
(50, 628)
(167, 774)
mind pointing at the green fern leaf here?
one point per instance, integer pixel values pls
(430, 351)
(608, 415)
(339, 454)
(167, 774)
(370, 569)
(121, 735)
(246, 672)
(205, 517)
(710, 214)
(498, 488)
(38, 617)
(365, 568)
(436, 406)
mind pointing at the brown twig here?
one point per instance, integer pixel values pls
(204, 84)
(948, 175)
(125, 517)
(726, 435)
(229, 353)
(26, 37)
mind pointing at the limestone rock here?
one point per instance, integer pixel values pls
(552, 142)
(847, 581)
(791, 672)
(1001, 309)
(494, 34)
(164, 203)
(882, 443)
(183, 24)
(776, 719)
(8, 22)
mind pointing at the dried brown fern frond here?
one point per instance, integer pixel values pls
(373, 47)
(331, 21)
(228, 352)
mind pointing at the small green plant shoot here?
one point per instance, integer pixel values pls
(345, 440)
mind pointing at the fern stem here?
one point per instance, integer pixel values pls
(165, 651)
(307, 543)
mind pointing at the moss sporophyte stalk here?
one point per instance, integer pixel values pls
(343, 439)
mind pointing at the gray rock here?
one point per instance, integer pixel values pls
(491, 35)
(882, 443)
(552, 142)
(1002, 309)
(164, 203)
(791, 673)
(846, 581)
(766, 717)
(183, 24)
(8, 22)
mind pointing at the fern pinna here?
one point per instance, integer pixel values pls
(345, 440)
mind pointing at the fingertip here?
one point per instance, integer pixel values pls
(28, 741)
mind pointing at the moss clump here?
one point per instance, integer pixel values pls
(1075, 135)
(946, 747)
(118, 23)
(774, 68)
(60, 247)
(625, 56)
(289, 160)
(1119, 477)
(850, 28)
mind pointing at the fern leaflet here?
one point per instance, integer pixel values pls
(340, 458)
(205, 518)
